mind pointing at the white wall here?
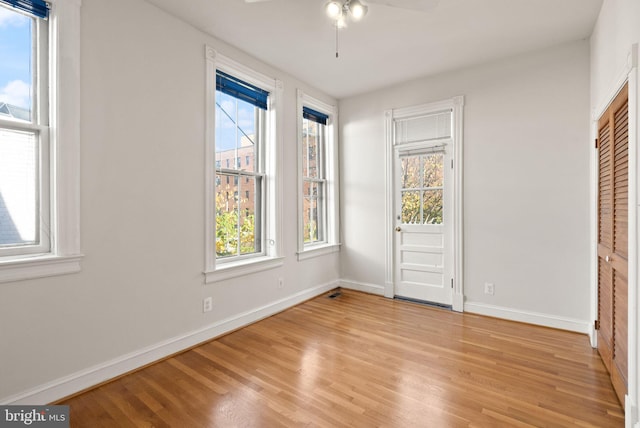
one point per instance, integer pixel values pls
(616, 31)
(143, 103)
(526, 183)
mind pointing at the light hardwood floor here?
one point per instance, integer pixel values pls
(365, 361)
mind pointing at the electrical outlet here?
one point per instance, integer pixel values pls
(280, 283)
(207, 304)
(488, 288)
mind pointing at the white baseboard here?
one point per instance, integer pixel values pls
(570, 324)
(87, 378)
(362, 286)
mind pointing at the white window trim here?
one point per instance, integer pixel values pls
(64, 256)
(332, 232)
(217, 271)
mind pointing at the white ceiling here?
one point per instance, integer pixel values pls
(389, 45)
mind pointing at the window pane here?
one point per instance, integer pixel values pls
(236, 124)
(432, 206)
(238, 216)
(226, 220)
(423, 128)
(433, 170)
(16, 69)
(312, 211)
(411, 204)
(18, 188)
(311, 150)
(411, 172)
(250, 218)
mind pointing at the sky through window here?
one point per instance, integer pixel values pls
(15, 51)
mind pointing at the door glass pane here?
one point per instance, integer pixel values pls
(18, 188)
(410, 172)
(432, 206)
(16, 69)
(411, 205)
(433, 170)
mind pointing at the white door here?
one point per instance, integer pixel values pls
(423, 221)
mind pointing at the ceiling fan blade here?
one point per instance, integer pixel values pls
(421, 5)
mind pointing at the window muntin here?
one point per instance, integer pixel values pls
(313, 181)
(239, 134)
(24, 135)
(422, 188)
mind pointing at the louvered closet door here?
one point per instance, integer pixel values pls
(613, 191)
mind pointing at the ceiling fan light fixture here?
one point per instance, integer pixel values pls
(357, 9)
(341, 22)
(333, 9)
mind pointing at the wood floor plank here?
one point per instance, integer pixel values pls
(360, 361)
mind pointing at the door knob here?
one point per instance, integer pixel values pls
(607, 259)
(398, 229)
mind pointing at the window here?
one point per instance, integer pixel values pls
(24, 137)
(39, 202)
(318, 198)
(240, 118)
(422, 188)
(314, 183)
(243, 225)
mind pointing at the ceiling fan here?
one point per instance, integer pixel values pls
(339, 11)
(420, 5)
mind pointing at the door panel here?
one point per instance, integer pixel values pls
(613, 219)
(605, 313)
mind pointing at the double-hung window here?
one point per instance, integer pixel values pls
(39, 138)
(242, 181)
(314, 176)
(240, 132)
(24, 131)
(318, 194)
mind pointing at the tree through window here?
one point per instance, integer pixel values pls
(422, 188)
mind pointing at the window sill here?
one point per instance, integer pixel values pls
(240, 268)
(317, 251)
(31, 267)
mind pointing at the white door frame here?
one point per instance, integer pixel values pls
(456, 105)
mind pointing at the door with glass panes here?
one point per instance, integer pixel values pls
(423, 215)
